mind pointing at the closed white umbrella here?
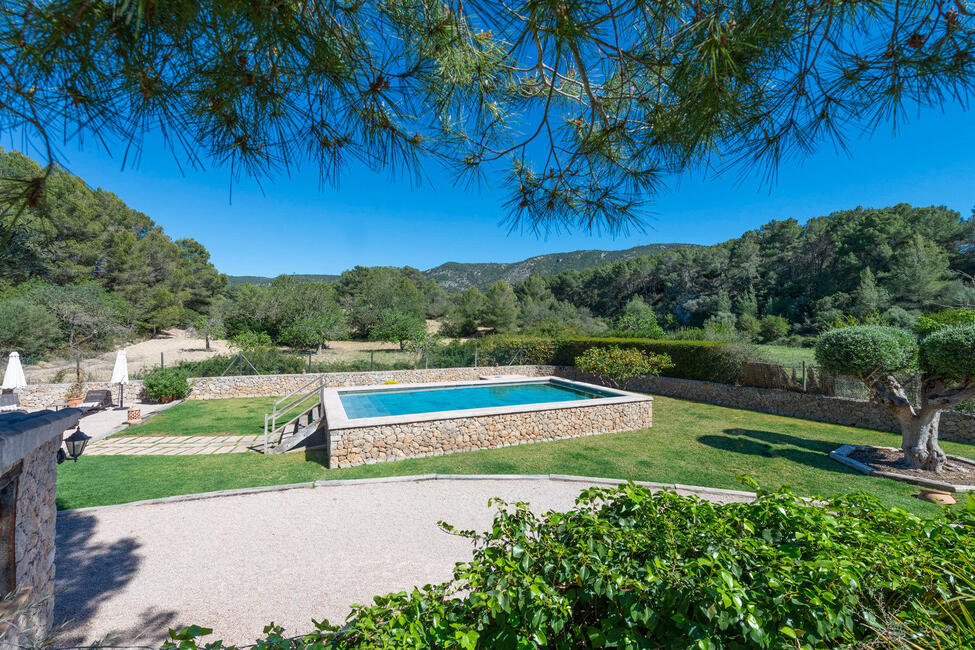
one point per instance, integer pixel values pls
(14, 377)
(120, 374)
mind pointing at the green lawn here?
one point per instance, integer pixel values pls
(244, 416)
(786, 355)
(690, 443)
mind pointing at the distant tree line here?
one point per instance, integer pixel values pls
(898, 262)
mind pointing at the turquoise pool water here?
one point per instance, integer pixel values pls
(380, 403)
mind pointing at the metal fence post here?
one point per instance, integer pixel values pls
(371, 352)
(426, 359)
(475, 355)
(804, 375)
(162, 361)
(265, 433)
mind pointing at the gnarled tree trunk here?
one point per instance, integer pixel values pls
(919, 425)
(919, 438)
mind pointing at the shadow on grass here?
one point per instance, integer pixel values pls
(318, 456)
(770, 444)
(88, 572)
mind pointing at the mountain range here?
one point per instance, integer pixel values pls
(457, 276)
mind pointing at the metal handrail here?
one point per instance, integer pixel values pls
(277, 412)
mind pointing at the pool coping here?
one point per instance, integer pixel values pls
(336, 418)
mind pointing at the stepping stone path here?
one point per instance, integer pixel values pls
(174, 445)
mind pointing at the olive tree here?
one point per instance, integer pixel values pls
(875, 354)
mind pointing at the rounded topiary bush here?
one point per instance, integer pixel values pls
(864, 350)
(950, 352)
(166, 384)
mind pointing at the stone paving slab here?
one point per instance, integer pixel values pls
(173, 445)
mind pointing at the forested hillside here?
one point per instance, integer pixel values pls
(84, 267)
(898, 261)
(457, 276)
(263, 281)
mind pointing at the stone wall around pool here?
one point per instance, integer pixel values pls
(381, 443)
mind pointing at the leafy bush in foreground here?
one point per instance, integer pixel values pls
(631, 569)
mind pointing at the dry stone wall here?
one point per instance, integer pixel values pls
(46, 396)
(375, 444)
(28, 487)
(268, 385)
(955, 426)
(35, 524)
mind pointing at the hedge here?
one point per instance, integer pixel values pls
(702, 360)
(864, 350)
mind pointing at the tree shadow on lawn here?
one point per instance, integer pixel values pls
(87, 573)
(769, 444)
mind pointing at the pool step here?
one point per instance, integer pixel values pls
(302, 420)
(292, 433)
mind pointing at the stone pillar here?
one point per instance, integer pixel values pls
(28, 513)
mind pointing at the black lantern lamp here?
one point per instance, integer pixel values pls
(75, 444)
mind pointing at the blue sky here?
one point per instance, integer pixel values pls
(293, 226)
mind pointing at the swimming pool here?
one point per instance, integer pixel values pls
(406, 401)
(392, 422)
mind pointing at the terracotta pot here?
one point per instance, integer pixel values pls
(73, 401)
(937, 496)
(166, 400)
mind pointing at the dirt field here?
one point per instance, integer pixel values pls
(175, 345)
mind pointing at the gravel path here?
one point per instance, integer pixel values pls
(126, 574)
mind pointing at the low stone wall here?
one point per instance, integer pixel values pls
(273, 385)
(28, 486)
(45, 396)
(955, 426)
(376, 444)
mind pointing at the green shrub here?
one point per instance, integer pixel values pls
(865, 350)
(28, 328)
(627, 568)
(638, 326)
(616, 365)
(504, 350)
(249, 340)
(267, 361)
(772, 328)
(166, 383)
(950, 352)
(702, 360)
(939, 320)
